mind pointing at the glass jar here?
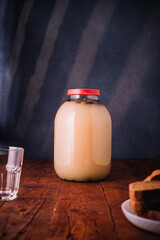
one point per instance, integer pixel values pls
(82, 137)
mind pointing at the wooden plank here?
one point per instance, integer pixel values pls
(81, 212)
(34, 206)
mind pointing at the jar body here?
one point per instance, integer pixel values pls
(82, 141)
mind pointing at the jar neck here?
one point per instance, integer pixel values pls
(83, 98)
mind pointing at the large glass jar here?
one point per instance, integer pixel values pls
(82, 137)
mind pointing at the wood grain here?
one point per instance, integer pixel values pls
(50, 208)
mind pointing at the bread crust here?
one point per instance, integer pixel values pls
(155, 175)
(152, 195)
(151, 214)
(145, 196)
(145, 191)
(141, 206)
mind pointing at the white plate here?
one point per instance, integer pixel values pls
(141, 222)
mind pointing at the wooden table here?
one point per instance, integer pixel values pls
(50, 208)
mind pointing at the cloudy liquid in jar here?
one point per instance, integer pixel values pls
(82, 141)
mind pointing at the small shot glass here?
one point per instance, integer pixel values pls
(11, 160)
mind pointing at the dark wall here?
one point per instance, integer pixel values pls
(49, 46)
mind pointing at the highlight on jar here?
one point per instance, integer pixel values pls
(82, 137)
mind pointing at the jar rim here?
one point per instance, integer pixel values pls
(84, 92)
(10, 148)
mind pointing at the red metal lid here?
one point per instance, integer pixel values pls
(83, 92)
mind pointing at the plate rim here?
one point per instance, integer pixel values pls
(136, 216)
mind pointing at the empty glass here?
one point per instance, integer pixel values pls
(11, 160)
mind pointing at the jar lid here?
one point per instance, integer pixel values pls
(83, 92)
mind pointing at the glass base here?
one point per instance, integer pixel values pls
(6, 196)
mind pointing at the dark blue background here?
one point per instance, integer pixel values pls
(49, 46)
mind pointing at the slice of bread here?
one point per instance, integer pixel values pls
(141, 206)
(145, 191)
(155, 175)
(151, 214)
(145, 196)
